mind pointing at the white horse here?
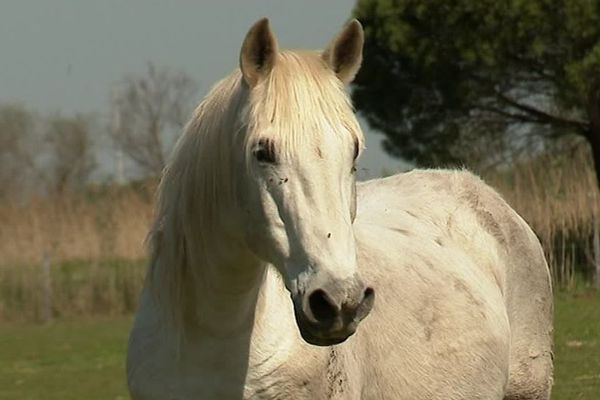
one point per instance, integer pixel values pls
(259, 205)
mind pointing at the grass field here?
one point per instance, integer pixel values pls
(85, 359)
(577, 346)
(67, 360)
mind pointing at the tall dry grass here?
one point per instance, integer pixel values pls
(74, 289)
(83, 254)
(87, 226)
(73, 255)
(558, 196)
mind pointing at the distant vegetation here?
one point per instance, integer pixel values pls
(557, 195)
(480, 81)
(73, 254)
(72, 244)
(83, 253)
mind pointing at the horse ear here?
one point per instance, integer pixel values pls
(344, 53)
(258, 53)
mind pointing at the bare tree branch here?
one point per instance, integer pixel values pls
(17, 149)
(543, 116)
(152, 109)
(71, 146)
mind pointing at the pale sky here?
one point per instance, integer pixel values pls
(64, 55)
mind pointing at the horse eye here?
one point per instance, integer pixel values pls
(262, 155)
(265, 152)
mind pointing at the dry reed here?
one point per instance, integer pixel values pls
(558, 196)
(73, 255)
(75, 227)
(92, 243)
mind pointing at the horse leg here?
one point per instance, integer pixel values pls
(531, 379)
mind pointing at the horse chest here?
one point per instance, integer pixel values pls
(215, 370)
(319, 378)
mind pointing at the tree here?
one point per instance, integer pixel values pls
(17, 127)
(72, 152)
(151, 110)
(437, 71)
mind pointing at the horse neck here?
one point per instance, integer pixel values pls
(228, 291)
(243, 300)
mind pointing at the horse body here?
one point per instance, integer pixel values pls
(258, 277)
(440, 329)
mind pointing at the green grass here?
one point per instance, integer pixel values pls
(65, 360)
(79, 289)
(577, 346)
(85, 359)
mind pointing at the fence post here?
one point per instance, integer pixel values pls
(46, 306)
(596, 247)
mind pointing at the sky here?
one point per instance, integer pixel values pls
(65, 55)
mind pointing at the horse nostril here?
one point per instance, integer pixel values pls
(322, 306)
(369, 294)
(366, 303)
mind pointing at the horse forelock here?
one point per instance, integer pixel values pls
(298, 101)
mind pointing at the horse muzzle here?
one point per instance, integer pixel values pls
(325, 319)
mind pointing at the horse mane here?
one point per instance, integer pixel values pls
(299, 100)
